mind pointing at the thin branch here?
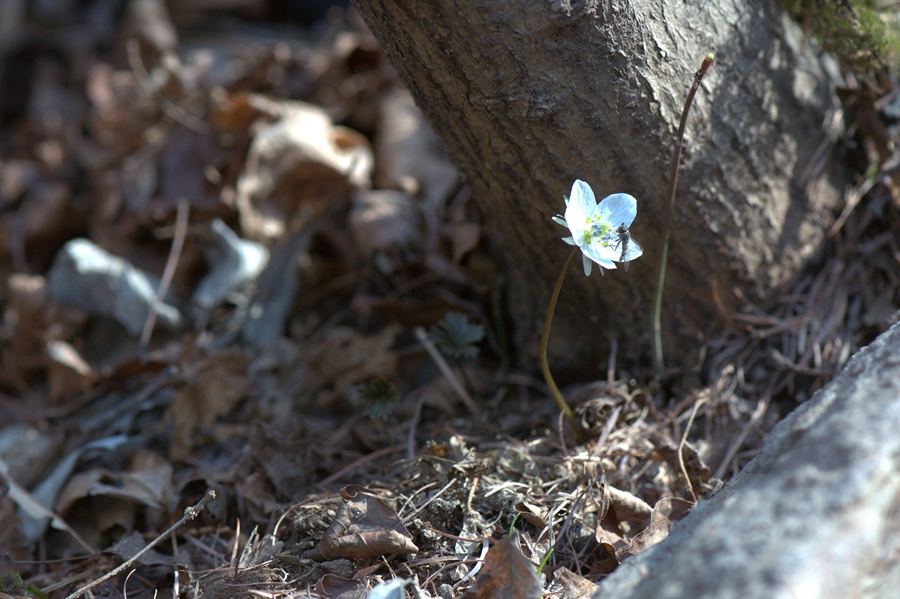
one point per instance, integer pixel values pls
(761, 406)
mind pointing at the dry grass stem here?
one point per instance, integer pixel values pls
(445, 369)
(181, 226)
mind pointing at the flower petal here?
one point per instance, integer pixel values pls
(569, 240)
(632, 250)
(605, 248)
(618, 208)
(586, 263)
(602, 256)
(580, 208)
(560, 221)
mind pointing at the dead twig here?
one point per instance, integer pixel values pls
(761, 407)
(484, 549)
(427, 503)
(472, 494)
(854, 195)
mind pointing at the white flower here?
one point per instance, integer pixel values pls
(600, 230)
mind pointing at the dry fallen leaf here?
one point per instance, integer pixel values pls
(611, 539)
(29, 451)
(535, 550)
(696, 469)
(149, 482)
(184, 168)
(383, 220)
(131, 544)
(533, 514)
(465, 227)
(507, 574)
(409, 153)
(46, 217)
(465, 237)
(336, 587)
(218, 384)
(666, 513)
(364, 526)
(628, 506)
(302, 160)
(574, 586)
(345, 357)
(610, 535)
(67, 373)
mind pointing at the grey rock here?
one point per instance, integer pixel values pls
(27, 451)
(278, 287)
(88, 277)
(814, 515)
(233, 262)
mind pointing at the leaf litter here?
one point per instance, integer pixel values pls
(331, 361)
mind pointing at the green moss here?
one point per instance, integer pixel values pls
(853, 30)
(12, 584)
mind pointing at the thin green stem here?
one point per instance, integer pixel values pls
(673, 178)
(467, 382)
(545, 367)
(385, 431)
(512, 526)
(544, 563)
(500, 329)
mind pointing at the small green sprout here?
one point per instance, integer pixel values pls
(456, 336)
(13, 584)
(379, 397)
(512, 526)
(544, 563)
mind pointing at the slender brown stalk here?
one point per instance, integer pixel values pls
(181, 226)
(673, 178)
(545, 366)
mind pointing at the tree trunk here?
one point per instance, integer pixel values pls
(530, 96)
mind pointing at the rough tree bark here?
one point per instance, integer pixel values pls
(530, 96)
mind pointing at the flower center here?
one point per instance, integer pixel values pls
(597, 228)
